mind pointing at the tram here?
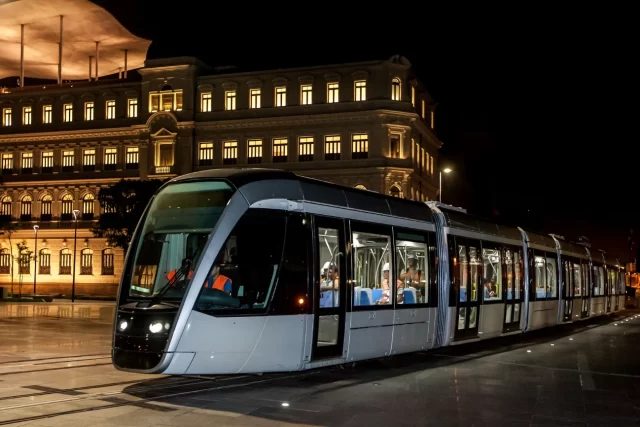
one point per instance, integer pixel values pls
(259, 270)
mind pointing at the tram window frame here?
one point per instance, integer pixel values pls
(488, 245)
(409, 235)
(356, 227)
(261, 214)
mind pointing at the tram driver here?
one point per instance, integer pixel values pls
(215, 280)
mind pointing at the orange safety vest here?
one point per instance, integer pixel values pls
(172, 273)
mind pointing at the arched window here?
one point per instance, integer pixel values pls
(360, 187)
(395, 191)
(87, 206)
(396, 89)
(24, 262)
(86, 262)
(67, 207)
(5, 261)
(65, 261)
(107, 262)
(45, 207)
(5, 207)
(44, 263)
(25, 208)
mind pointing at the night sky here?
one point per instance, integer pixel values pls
(534, 115)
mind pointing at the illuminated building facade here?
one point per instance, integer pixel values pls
(368, 125)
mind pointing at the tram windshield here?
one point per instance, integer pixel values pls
(175, 231)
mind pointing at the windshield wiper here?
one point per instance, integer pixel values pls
(186, 266)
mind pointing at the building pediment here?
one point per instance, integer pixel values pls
(164, 133)
(162, 120)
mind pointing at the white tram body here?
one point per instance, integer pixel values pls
(256, 270)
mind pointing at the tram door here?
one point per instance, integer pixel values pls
(586, 289)
(329, 288)
(467, 270)
(568, 290)
(607, 289)
(514, 288)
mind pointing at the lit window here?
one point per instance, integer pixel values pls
(45, 207)
(280, 150)
(88, 111)
(27, 162)
(6, 117)
(423, 110)
(132, 107)
(492, 274)
(47, 162)
(108, 257)
(7, 164)
(305, 149)
(229, 152)
(332, 92)
(396, 87)
(65, 261)
(230, 100)
(205, 102)
(111, 110)
(255, 98)
(88, 160)
(394, 146)
(360, 187)
(166, 100)
(47, 114)
(413, 96)
(5, 261)
(110, 159)
(360, 88)
(281, 96)
(67, 208)
(360, 146)
(67, 161)
(431, 165)
(44, 263)
(132, 158)
(5, 207)
(332, 147)
(26, 115)
(432, 119)
(25, 208)
(87, 206)
(306, 94)
(255, 151)
(206, 154)
(86, 262)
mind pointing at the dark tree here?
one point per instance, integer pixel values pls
(122, 206)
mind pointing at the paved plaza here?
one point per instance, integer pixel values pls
(56, 371)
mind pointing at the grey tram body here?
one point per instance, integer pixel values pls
(200, 343)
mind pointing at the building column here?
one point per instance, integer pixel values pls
(21, 55)
(97, 58)
(90, 67)
(126, 51)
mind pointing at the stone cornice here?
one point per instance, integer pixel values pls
(66, 183)
(73, 134)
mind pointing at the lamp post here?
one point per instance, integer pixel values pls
(76, 212)
(35, 258)
(445, 170)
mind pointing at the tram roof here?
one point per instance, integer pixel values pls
(314, 190)
(570, 247)
(466, 221)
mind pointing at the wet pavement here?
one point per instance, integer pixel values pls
(56, 371)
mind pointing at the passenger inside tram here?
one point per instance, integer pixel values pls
(329, 295)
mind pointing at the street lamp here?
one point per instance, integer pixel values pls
(35, 258)
(445, 170)
(76, 212)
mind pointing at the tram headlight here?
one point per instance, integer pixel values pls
(167, 325)
(155, 327)
(123, 325)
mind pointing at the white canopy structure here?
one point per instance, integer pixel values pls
(65, 40)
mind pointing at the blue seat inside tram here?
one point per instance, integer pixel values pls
(376, 294)
(409, 296)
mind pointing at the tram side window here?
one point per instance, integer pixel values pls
(329, 254)
(492, 274)
(412, 270)
(245, 271)
(598, 281)
(540, 283)
(552, 278)
(518, 267)
(373, 279)
(577, 280)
